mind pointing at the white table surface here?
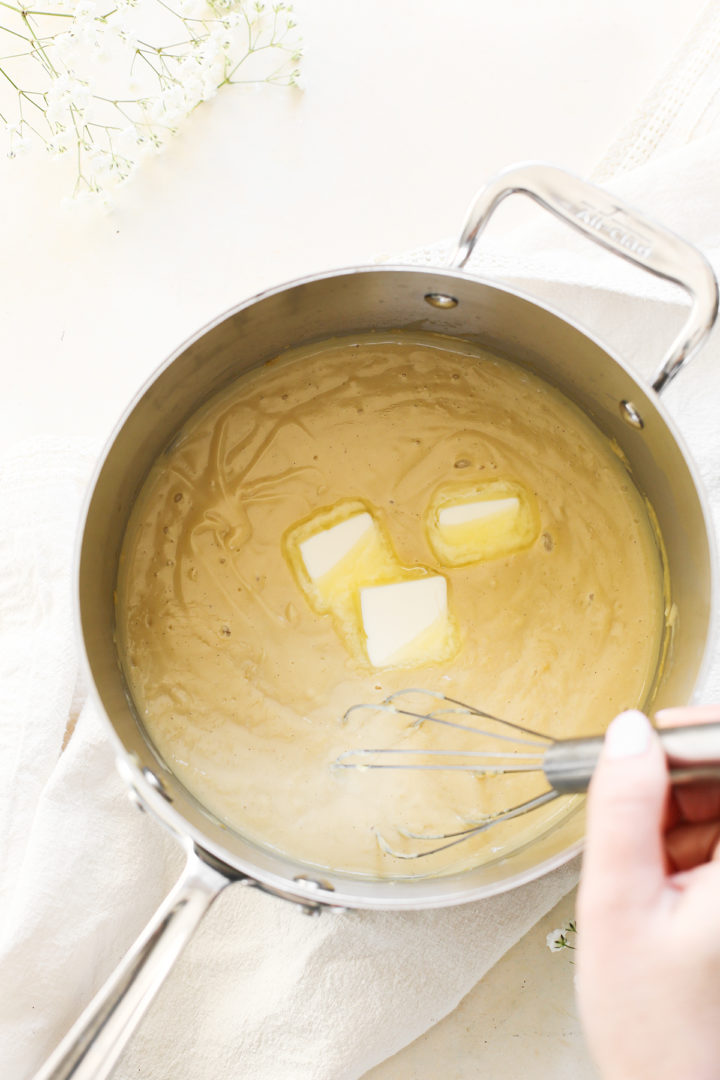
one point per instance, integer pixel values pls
(409, 106)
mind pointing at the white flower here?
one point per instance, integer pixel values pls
(221, 37)
(132, 145)
(84, 10)
(192, 9)
(126, 142)
(65, 93)
(62, 139)
(19, 142)
(556, 940)
(20, 145)
(118, 24)
(65, 46)
(103, 169)
(189, 73)
(57, 112)
(170, 107)
(92, 199)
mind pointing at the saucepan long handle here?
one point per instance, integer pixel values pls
(693, 755)
(609, 222)
(91, 1048)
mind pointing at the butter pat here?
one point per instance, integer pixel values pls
(324, 550)
(385, 613)
(462, 513)
(469, 523)
(333, 553)
(406, 622)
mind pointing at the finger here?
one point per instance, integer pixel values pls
(625, 865)
(689, 846)
(697, 803)
(687, 714)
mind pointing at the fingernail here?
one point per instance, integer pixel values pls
(628, 735)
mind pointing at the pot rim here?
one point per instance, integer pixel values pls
(154, 801)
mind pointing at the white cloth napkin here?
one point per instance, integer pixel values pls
(263, 992)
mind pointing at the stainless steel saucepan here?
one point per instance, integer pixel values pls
(368, 298)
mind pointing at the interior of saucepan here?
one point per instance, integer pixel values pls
(363, 301)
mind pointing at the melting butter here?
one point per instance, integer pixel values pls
(387, 614)
(470, 522)
(407, 623)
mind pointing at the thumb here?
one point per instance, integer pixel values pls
(624, 862)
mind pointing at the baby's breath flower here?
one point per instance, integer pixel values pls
(557, 940)
(19, 143)
(62, 140)
(192, 9)
(55, 96)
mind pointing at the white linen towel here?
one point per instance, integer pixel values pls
(262, 992)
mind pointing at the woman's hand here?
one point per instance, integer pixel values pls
(648, 951)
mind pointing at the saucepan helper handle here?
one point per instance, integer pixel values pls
(614, 225)
(91, 1048)
(693, 756)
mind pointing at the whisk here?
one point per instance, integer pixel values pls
(693, 754)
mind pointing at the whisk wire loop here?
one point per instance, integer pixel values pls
(440, 717)
(483, 761)
(462, 835)
(567, 765)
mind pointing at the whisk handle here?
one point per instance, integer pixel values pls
(569, 764)
(693, 754)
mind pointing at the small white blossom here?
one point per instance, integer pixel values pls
(555, 940)
(127, 142)
(19, 142)
(58, 112)
(66, 93)
(90, 199)
(559, 939)
(193, 9)
(62, 139)
(120, 27)
(105, 170)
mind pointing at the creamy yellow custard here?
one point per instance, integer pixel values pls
(456, 482)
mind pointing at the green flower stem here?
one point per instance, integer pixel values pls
(15, 33)
(39, 49)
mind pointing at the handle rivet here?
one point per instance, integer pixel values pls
(441, 300)
(631, 416)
